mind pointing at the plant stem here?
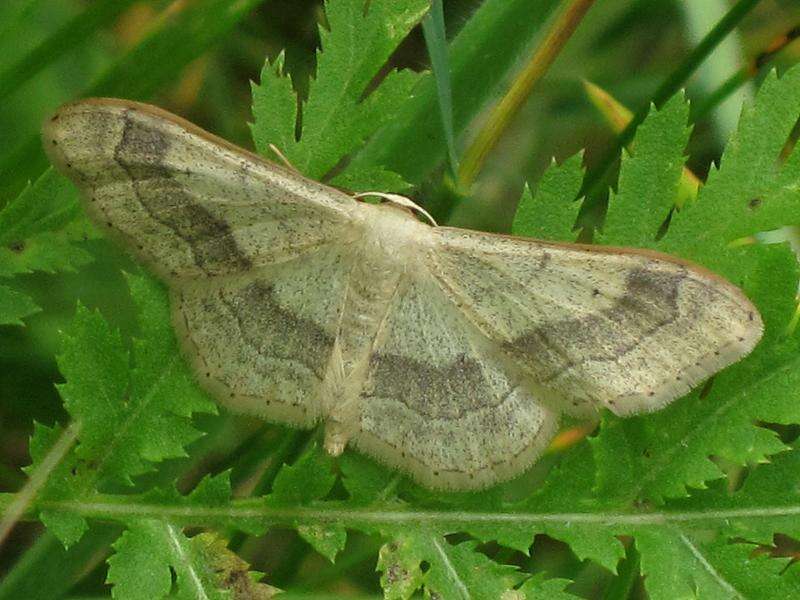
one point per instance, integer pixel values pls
(502, 114)
(24, 498)
(124, 508)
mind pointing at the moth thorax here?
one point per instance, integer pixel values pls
(394, 232)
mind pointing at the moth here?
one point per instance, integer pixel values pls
(447, 353)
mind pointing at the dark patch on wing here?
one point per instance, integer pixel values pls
(648, 304)
(273, 331)
(436, 393)
(141, 152)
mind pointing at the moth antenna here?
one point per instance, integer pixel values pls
(402, 201)
(287, 163)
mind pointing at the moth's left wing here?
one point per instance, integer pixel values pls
(256, 256)
(593, 327)
(187, 203)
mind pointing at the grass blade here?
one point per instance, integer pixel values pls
(520, 90)
(668, 88)
(71, 35)
(435, 38)
(148, 67)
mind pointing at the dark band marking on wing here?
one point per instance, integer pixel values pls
(650, 299)
(432, 391)
(140, 153)
(311, 344)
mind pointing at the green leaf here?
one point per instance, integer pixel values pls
(163, 393)
(62, 481)
(95, 364)
(365, 480)
(130, 418)
(370, 180)
(568, 491)
(15, 306)
(274, 109)
(454, 571)
(145, 555)
(539, 588)
(328, 540)
(39, 227)
(399, 565)
(232, 573)
(752, 190)
(309, 479)
(659, 455)
(337, 117)
(141, 566)
(552, 211)
(649, 178)
(38, 232)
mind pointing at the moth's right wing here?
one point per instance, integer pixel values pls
(440, 401)
(185, 202)
(593, 327)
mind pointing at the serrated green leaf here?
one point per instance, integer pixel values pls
(460, 571)
(274, 110)
(39, 228)
(365, 480)
(95, 364)
(568, 490)
(328, 540)
(140, 568)
(339, 115)
(310, 478)
(659, 455)
(649, 180)
(162, 389)
(551, 212)
(146, 553)
(129, 417)
(457, 571)
(752, 190)
(540, 588)
(62, 481)
(232, 573)
(370, 180)
(15, 306)
(399, 565)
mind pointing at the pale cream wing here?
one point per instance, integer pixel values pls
(185, 202)
(441, 402)
(595, 327)
(255, 255)
(261, 342)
